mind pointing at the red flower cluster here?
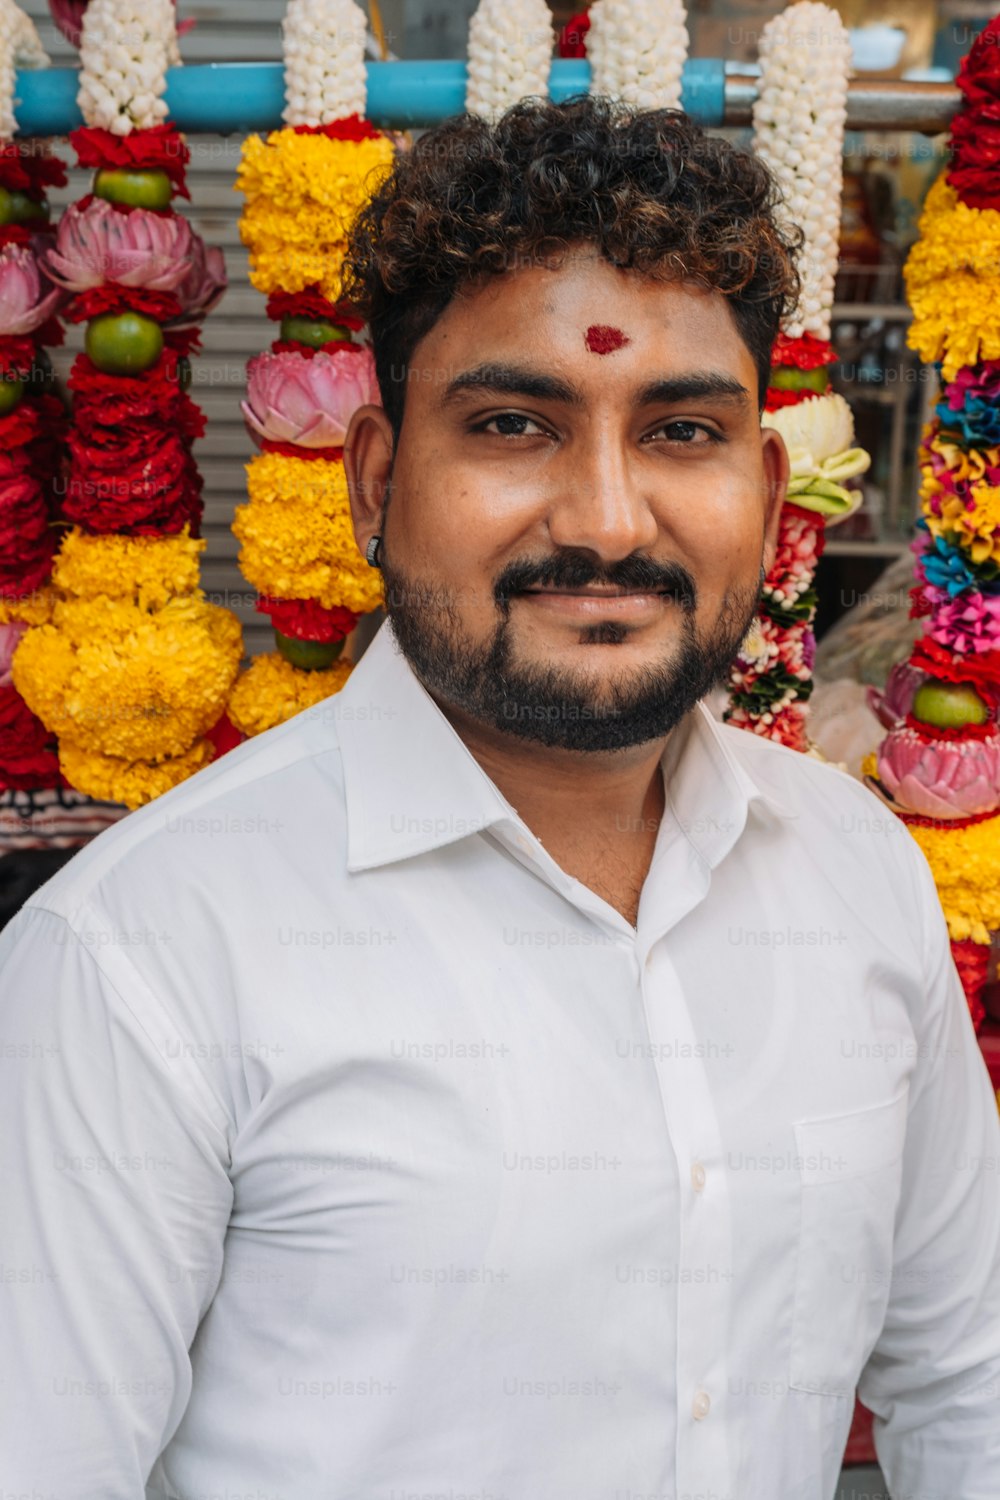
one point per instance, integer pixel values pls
(307, 618)
(27, 757)
(311, 303)
(27, 170)
(573, 37)
(160, 148)
(975, 132)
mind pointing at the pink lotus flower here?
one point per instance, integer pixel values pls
(138, 248)
(895, 702)
(68, 16)
(309, 402)
(9, 637)
(205, 284)
(942, 779)
(27, 300)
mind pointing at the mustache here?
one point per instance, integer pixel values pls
(575, 570)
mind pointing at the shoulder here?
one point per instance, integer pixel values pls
(843, 832)
(262, 792)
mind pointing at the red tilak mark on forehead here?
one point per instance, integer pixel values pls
(602, 339)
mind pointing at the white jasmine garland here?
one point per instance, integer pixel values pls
(510, 54)
(799, 116)
(19, 48)
(637, 50)
(325, 78)
(126, 48)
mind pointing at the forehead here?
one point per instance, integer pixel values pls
(581, 310)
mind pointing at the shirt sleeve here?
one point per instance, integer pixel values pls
(115, 1201)
(933, 1379)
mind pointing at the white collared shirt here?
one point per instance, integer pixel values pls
(352, 1150)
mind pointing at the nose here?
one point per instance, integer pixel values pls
(601, 501)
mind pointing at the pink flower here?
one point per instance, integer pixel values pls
(309, 402)
(9, 637)
(204, 285)
(969, 623)
(26, 299)
(138, 248)
(941, 779)
(895, 703)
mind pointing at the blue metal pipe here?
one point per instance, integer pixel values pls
(226, 98)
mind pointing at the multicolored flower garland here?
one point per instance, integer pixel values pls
(799, 121)
(304, 185)
(939, 765)
(32, 419)
(132, 667)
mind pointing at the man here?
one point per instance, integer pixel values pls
(503, 1081)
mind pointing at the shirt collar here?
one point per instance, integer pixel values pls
(411, 784)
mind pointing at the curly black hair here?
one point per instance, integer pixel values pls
(649, 188)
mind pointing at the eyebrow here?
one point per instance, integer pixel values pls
(515, 380)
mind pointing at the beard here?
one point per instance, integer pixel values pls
(562, 707)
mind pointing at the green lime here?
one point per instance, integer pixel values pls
(309, 656)
(11, 391)
(123, 343)
(949, 705)
(788, 378)
(139, 189)
(313, 331)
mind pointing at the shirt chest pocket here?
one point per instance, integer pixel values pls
(851, 1169)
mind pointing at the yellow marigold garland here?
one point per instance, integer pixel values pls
(303, 191)
(953, 282)
(32, 609)
(147, 569)
(297, 535)
(965, 863)
(271, 690)
(111, 779)
(119, 680)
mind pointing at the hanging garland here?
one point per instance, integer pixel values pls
(304, 185)
(799, 119)
(32, 419)
(939, 765)
(509, 55)
(132, 668)
(637, 51)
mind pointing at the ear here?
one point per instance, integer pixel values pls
(368, 462)
(775, 457)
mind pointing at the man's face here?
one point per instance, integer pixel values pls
(581, 502)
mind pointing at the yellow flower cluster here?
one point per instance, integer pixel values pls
(33, 609)
(303, 193)
(119, 680)
(111, 779)
(148, 570)
(271, 690)
(953, 282)
(298, 541)
(965, 863)
(976, 531)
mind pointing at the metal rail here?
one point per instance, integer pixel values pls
(228, 98)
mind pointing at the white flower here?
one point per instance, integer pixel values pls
(510, 55)
(19, 48)
(325, 78)
(805, 56)
(637, 50)
(815, 431)
(126, 47)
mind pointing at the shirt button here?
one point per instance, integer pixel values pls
(697, 1176)
(701, 1406)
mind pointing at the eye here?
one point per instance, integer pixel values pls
(510, 424)
(688, 434)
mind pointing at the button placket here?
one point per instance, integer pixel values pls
(705, 1248)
